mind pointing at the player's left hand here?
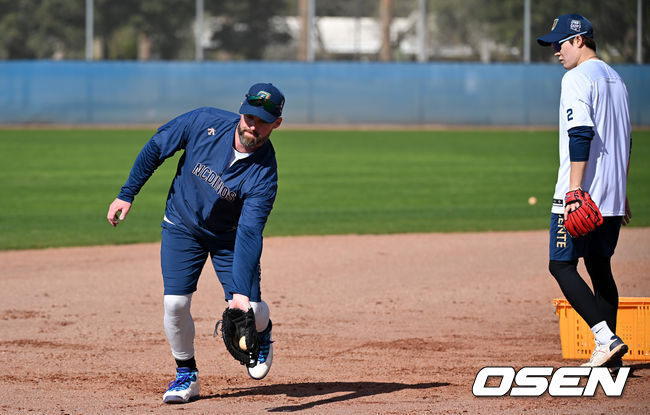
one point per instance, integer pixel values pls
(240, 302)
(581, 215)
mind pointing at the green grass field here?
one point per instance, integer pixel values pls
(57, 184)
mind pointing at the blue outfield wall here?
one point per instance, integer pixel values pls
(73, 92)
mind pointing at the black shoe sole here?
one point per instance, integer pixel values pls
(618, 355)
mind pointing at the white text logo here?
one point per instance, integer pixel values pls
(533, 381)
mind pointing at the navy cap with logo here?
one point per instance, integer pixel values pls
(264, 101)
(566, 27)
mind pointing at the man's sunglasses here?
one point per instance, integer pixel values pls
(260, 101)
(558, 45)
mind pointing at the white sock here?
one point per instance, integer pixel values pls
(602, 333)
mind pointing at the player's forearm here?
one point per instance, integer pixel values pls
(145, 164)
(577, 174)
(245, 267)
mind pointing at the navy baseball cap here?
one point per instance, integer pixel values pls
(565, 27)
(264, 101)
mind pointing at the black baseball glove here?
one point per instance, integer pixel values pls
(235, 325)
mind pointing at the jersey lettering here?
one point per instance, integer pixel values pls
(212, 178)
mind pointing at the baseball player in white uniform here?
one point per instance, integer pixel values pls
(594, 151)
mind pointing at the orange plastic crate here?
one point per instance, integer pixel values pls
(632, 325)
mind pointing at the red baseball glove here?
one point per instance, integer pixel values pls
(585, 218)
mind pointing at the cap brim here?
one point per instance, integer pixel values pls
(260, 112)
(546, 40)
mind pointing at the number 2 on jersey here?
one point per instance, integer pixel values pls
(569, 114)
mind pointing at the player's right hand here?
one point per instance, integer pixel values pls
(628, 212)
(117, 211)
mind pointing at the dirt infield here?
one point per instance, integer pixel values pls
(396, 324)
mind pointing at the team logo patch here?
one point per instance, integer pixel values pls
(576, 25)
(264, 95)
(554, 24)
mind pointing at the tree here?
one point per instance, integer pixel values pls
(144, 29)
(14, 25)
(49, 29)
(246, 28)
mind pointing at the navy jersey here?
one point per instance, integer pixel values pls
(206, 196)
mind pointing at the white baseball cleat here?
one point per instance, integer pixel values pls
(608, 352)
(265, 357)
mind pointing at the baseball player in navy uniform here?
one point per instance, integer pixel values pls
(217, 206)
(594, 149)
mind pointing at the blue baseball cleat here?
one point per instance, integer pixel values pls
(265, 357)
(184, 388)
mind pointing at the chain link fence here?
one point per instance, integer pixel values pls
(311, 30)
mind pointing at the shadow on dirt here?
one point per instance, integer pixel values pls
(636, 367)
(344, 391)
